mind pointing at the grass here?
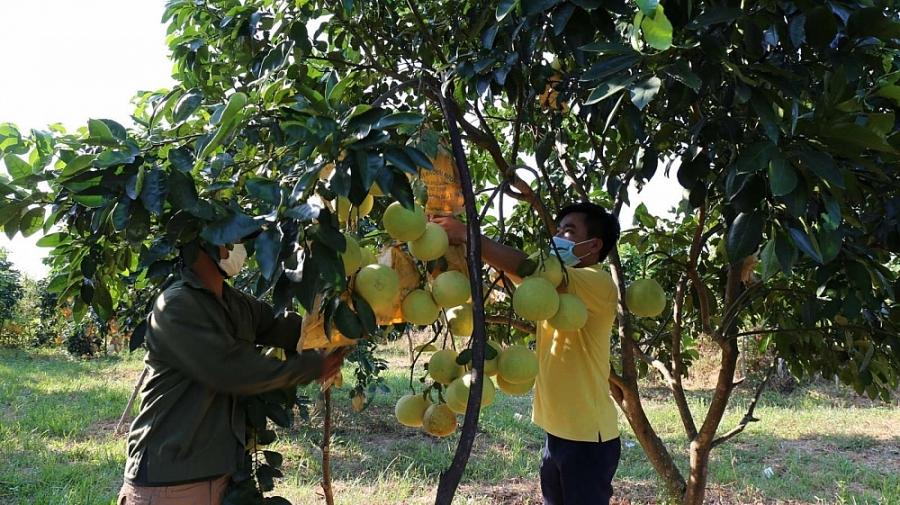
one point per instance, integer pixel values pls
(818, 444)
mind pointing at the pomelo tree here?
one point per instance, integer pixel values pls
(778, 119)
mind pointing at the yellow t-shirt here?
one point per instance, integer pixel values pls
(571, 398)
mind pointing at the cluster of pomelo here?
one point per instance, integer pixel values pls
(514, 368)
(536, 298)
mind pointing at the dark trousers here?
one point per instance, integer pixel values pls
(578, 473)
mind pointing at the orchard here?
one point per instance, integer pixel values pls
(332, 132)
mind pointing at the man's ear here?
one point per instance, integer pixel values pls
(597, 246)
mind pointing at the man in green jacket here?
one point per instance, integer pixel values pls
(188, 437)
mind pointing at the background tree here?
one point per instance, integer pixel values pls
(10, 292)
(777, 117)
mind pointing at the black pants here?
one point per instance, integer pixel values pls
(578, 473)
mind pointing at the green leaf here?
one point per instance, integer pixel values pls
(400, 119)
(181, 159)
(858, 136)
(822, 164)
(264, 189)
(766, 116)
(418, 157)
(90, 201)
(488, 36)
(16, 166)
(230, 230)
(267, 248)
(77, 165)
(645, 91)
(657, 30)
(769, 260)
(648, 7)
(100, 133)
(346, 321)
(744, 236)
(464, 357)
(531, 7)
(608, 48)
(365, 313)
(829, 242)
(52, 239)
(187, 104)
(782, 177)
(330, 237)
(182, 192)
(102, 302)
(807, 244)
(786, 253)
(609, 88)
(610, 66)
(821, 26)
(681, 72)
(273, 458)
(121, 213)
(32, 221)
(714, 16)
(153, 194)
(504, 7)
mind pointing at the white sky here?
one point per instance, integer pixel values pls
(70, 61)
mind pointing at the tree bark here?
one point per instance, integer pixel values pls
(701, 446)
(326, 451)
(451, 477)
(630, 400)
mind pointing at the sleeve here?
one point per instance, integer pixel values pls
(595, 287)
(194, 339)
(272, 330)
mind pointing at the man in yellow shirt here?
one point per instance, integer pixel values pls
(571, 400)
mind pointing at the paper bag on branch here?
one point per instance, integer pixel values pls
(402, 263)
(445, 196)
(312, 331)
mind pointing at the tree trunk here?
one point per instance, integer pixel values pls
(653, 446)
(451, 477)
(326, 451)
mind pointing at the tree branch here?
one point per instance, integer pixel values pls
(699, 287)
(509, 321)
(687, 418)
(748, 417)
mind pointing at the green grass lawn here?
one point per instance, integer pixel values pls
(822, 445)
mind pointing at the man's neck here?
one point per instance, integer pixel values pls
(209, 274)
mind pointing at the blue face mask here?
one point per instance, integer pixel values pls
(566, 250)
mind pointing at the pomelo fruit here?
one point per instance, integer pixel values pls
(461, 320)
(490, 365)
(418, 307)
(517, 364)
(450, 289)
(442, 366)
(439, 420)
(410, 409)
(535, 299)
(431, 245)
(343, 208)
(379, 285)
(571, 315)
(358, 402)
(402, 224)
(645, 298)
(514, 389)
(550, 268)
(457, 393)
(352, 256)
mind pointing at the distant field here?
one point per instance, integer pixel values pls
(820, 444)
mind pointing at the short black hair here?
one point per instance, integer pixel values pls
(600, 224)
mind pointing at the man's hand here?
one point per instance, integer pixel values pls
(456, 230)
(333, 362)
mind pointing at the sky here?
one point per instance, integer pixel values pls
(68, 61)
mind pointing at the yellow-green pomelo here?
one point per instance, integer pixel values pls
(367, 257)
(514, 389)
(343, 208)
(517, 364)
(442, 366)
(571, 315)
(432, 244)
(379, 285)
(410, 409)
(461, 320)
(419, 308)
(402, 224)
(457, 393)
(645, 298)
(352, 256)
(450, 289)
(439, 420)
(535, 299)
(550, 268)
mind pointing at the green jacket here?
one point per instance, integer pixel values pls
(201, 359)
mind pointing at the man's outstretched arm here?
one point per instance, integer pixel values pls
(502, 257)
